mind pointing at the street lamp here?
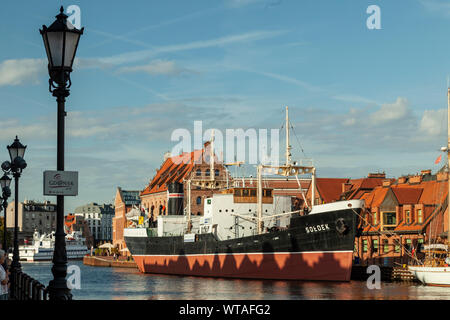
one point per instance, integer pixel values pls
(5, 181)
(61, 42)
(15, 166)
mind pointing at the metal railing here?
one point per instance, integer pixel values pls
(24, 287)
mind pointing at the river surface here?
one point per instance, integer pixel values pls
(104, 283)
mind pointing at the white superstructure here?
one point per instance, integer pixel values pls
(43, 245)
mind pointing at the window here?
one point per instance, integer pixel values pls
(268, 193)
(386, 246)
(397, 248)
(364, 245)
(419, 216)
(237, 192)
(253, 193)
(207, 173)
(408, 216)
(408, 244)
(216, 172)
(199, 200)
(374, 217)
(375, 245)
(389, 218)
(198, 172)
(245, 192)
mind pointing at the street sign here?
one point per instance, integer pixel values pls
(60, 183)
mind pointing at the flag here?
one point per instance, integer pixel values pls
(438, 159)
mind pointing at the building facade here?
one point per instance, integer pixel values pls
(99, 219)
(77, 223)
(32, 216)
(194, 171)
(401, 216)
(123, 203)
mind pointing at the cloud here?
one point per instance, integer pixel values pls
(19, 71)
(433, 122)
(391, 111)
(440, 7)
(158, 67)
(140, 55)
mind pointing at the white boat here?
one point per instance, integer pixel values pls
(433, 276)
(43, 245)
(435, 270)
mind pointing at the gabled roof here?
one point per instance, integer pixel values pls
(173, 169)
(330, 189)
(406, 195)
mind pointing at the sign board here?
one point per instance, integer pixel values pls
(60, 183)
(189, 237)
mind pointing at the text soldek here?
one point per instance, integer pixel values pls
(317, 228)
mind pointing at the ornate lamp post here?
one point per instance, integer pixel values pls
(5, 181)
(61, 42)
(15, 166)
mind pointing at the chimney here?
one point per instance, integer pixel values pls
(377, 175)
(386, 183)
(401, 180)
(415, 179)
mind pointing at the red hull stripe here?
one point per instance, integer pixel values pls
(331, 266)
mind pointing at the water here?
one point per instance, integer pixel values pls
(103, 283)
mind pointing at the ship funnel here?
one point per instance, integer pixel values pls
(175, 198)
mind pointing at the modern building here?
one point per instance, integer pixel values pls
(32, 216)
(123, 203)
(99, 219)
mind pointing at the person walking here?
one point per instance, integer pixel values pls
(4, 279)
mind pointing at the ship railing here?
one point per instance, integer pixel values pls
(24, 287)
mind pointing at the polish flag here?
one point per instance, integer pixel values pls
(438, 159)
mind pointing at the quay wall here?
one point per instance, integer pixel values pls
(106, 262)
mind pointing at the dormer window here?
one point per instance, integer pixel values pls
(419, 216)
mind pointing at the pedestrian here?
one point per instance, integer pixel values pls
(4, 279)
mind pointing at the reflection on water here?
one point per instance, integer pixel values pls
(122, 283)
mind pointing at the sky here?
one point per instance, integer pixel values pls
(360, 100)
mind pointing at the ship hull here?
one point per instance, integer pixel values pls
(432, 276)
(332, 266)
(314, 247)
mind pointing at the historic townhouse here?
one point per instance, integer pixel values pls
(401, 216)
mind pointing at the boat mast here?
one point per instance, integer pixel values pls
(211, 157)
(288, 147)
(259, 194)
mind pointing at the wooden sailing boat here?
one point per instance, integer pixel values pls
(435, 269)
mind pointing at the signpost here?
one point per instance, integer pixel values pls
(60, 183)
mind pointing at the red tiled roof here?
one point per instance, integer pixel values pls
(330, 189)
(407, 195)
(173, 169)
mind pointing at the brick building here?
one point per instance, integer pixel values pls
(193, 167)
(123, 203)
(401, 215)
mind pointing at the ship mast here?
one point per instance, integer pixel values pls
(288, 147)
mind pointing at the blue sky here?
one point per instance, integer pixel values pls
(360, 100)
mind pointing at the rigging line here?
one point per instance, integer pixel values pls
(391, 234)
(298, 140)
